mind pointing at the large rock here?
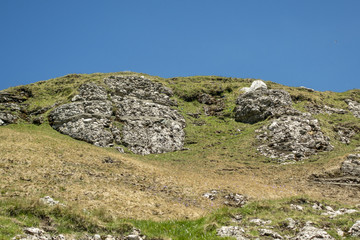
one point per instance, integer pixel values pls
(293, 137)
(310, 232)
(351, 166)
(257, 105)
(88, 118)
(135, 113)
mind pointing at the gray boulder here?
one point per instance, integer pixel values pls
(293, 138)
(255, 106)
(139, 106)
(351, 166)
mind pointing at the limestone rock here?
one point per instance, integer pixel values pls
(7, 118)
(332, 213)
(141, 88)
(310, 232)
(232, 231)
(47, 200)
(355, 229)
(260, 222)
(270, 233)
(297, 207)
(255, 106)
(351, 166)
(345, 133)
(140, 106)
(293, 138)
(354, 107)
(211, 195)
(235, 200)
(256, 85)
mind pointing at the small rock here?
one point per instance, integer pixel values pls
(235, 200)
(317, 206)
(47, 200)
(270, 233)
(297, 207)
(97, 237)
(211, 195)
(34, 231)
(120, 149)
(351, 166)
(260, 222)
(308, 89)
(291, 223)
(310, 232)
(231, 231)
(340, 232)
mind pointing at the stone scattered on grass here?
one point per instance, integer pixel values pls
(232, 231)
(270, 233)
(309, 232)
(260, 222)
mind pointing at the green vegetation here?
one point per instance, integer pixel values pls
(221, 154)
(72, 220)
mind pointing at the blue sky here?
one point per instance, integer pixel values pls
(313, 43)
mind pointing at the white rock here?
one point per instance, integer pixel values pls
(312, 233)
(232, 231)
(340, 232)
(47, 200)
(258, 84)
(260, 222)
(296, 207)
(270, 233)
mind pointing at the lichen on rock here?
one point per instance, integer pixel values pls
(142, 107)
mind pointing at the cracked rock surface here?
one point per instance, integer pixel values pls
(136, 113)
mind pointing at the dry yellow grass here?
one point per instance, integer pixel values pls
(38, 161)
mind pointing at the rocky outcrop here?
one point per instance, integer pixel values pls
(87, 118)
(293, 137)
(354, 107)
(351, 166)
(259, 104)
(136, 113)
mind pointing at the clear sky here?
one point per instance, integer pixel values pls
(312, 43)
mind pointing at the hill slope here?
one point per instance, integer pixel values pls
(219, 154)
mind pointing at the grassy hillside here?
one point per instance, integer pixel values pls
(105, 191)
